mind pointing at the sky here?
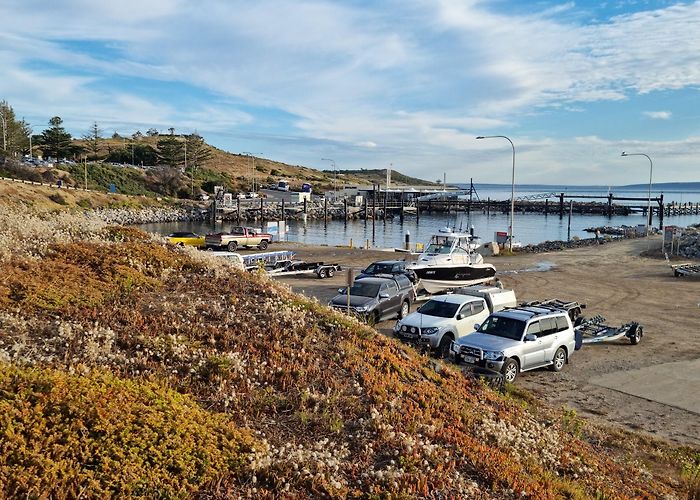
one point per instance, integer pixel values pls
(407, 84)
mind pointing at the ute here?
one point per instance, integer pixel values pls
(238, 237)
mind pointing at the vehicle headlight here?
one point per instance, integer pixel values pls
(361, 309)
(397, 326)
(430, 330)
(493, 355)
(454, 347)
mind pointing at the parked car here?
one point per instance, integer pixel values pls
(517, 340)
(376, 298)
(442, 320)
(186, 238)
(388, 268)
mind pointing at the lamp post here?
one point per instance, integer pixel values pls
(651, 168)
(512, 188)
(252, 166)
(335, 176)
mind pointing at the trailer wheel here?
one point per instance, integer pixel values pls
(232, 246)
(322, 273)
(636, 337)
(331, 272)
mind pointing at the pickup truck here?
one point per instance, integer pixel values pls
(376, 298)
(446, 318)
(238, 237)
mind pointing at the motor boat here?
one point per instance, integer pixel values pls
(450, 261)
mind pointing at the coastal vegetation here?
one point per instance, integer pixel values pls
(129, 367)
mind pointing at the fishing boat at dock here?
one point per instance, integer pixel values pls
(450, 261)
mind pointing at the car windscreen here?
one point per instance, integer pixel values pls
(503, 327)
(439, 309)
(364, 289)
(378, 269)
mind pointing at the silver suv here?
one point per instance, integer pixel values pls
(517, 340)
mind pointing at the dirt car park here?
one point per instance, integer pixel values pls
(652, 387)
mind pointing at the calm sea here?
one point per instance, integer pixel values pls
(529, 228)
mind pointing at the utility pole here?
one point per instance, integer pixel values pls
(4, 128)
(85, 160)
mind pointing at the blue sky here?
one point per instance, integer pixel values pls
(403, 82)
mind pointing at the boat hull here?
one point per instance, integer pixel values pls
(437, 279)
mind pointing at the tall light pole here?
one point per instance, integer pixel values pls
(252, 166)
(335, 176)
(651, 168)
(512, 188)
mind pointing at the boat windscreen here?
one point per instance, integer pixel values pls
(438, 248)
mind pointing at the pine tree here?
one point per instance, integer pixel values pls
(93, 139)
(14, 134)
(55, 141)
(170, 151)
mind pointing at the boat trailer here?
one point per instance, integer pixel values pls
(595, 331)
(300, 267)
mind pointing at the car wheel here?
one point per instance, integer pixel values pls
(510, 370)
(331, 272)
(375, 317)
(405, 308)
(559, 360)
(263, 245)
(181, 244)
(322, 273)
(443, 350)
(232, 246)
(636, 338)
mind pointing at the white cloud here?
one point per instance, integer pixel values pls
(658, 115)
(421, 78)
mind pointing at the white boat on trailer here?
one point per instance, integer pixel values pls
(450, 261)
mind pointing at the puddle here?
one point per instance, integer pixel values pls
(540, 267)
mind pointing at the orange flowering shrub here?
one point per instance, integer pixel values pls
(66, 436)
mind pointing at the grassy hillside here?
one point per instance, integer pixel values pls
(111, 384)
(237, 171)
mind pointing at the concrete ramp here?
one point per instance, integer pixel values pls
(674, 384)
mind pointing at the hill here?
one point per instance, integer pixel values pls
(110, 163)
(122, 354)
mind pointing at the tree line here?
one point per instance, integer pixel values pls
(171, 150)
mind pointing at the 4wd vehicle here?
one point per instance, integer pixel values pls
(388, 268)
(519, 339)
(376, 298)
(238, 237)
(442, 320)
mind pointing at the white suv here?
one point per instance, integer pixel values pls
(441, 320)
(519, 339)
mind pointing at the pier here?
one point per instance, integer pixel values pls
(379, 204)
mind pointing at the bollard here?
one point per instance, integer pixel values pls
(350, 242)
(407, 240)
(367, 244)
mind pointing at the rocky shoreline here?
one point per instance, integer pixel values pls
(127, 216)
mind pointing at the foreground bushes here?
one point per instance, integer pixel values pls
(63, 436)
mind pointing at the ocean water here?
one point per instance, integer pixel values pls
(529, 228)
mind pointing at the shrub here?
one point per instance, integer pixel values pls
(58, 198)
(67, 435)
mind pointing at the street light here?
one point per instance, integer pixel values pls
(512, 188)
(335, 176)
(252, 165)
(651, 168)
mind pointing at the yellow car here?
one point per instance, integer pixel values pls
(186, 238)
